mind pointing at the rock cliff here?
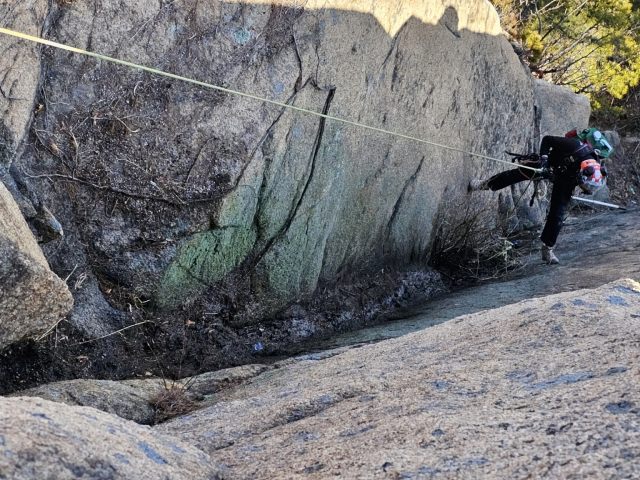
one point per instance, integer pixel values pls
(187, 220)
(254, 226)
(167, 190)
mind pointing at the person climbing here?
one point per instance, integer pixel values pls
(567, 162)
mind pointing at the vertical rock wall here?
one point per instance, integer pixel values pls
(167, 190)
(19, 72)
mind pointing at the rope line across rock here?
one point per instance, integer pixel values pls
(248, 95)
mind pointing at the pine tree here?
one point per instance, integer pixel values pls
(591, 46)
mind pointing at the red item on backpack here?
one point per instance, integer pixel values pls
(571, 134)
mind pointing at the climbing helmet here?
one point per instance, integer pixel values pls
(591, 174)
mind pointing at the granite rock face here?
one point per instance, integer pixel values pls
(172, 189)
(32, 297)
(46, 440)
(560, 109)
(546, 386)
(116, 398)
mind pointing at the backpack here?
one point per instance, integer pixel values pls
(596, 140)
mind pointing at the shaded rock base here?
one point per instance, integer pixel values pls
(203, 338)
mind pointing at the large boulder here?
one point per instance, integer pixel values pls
(543, 387)
(173, 189)
(559, 109)
(46, 440)
(117, 398)
(32, 297)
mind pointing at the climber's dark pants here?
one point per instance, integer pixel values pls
(560, 196)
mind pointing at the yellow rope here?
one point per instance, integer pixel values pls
(247, 95)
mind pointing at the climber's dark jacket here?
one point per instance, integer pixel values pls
(565, 172)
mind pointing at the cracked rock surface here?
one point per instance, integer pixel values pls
(165, 189)
(257, 227)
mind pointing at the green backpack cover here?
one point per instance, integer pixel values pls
(596, 139)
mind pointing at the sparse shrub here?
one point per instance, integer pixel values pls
(172, 402)
(591, 46)
(470, 241)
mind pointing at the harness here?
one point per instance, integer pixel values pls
(575, 157)
(549, 172)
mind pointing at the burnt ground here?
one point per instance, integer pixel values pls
(595, 247)
(199, 338)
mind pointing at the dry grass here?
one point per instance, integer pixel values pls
(172, 402)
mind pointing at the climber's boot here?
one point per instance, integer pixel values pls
(548, 256)
(476, 185)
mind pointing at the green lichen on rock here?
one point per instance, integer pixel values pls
(274, 211)
(204, 259)
(292, 266)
